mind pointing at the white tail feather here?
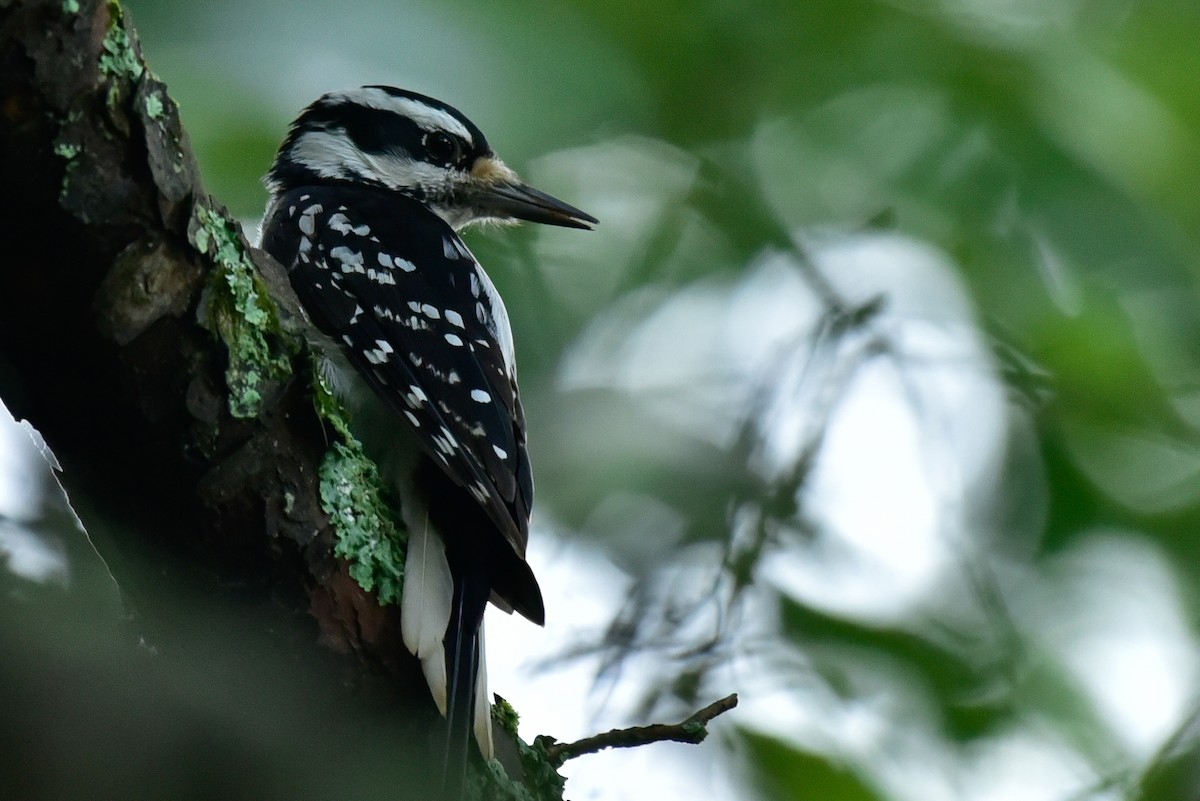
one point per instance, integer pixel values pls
(425, 615)
(425, 605)
(434, 668)
(483, 705)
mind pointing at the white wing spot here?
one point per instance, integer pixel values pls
(479, 396)
(455, 318)
(453, 377)
(420, 393)
(340, 223)
(430, 311)
(449, 250)
(307, 224)
(415, 305)
(352, 260)
(385, 260)
(503, 454)
(381, 277)
(412, 418)
(379, 354)
(454, 340)
(404, 264)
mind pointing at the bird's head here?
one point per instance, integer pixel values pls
(408, 143)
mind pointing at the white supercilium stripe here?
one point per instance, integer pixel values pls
(427, 117)
(331, 154)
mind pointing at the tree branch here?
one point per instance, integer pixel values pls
(693, 730)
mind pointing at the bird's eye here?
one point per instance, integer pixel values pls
(442, 147)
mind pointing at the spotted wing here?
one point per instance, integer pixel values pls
(420, 321)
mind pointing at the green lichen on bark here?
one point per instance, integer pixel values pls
(326, 404)
(118, 59)
(240, 312)
(368, 534)
(541, 775)
(541, 780)
(68, 152)
(505, 717)
(154, 107)
(490, 782)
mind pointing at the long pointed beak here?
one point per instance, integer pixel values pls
(515, 199)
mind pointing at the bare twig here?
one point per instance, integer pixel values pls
(693, 730)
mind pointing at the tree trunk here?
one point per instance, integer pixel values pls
(126, 338)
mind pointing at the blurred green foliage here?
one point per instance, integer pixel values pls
(785, 774)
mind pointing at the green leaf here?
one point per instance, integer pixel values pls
(785, 772)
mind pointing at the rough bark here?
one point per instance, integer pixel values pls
(107, 347)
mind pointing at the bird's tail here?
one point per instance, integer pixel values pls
(467, 708)
(442, 623)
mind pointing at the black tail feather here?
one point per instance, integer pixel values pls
(462, 671)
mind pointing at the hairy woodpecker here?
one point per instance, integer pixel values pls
(368, 191)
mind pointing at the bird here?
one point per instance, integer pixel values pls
(367, 195)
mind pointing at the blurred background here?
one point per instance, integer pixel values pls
(874, 398)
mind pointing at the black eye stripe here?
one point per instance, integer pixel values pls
(374, 130)
(378, 131)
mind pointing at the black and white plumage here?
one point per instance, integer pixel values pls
(368, 191)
